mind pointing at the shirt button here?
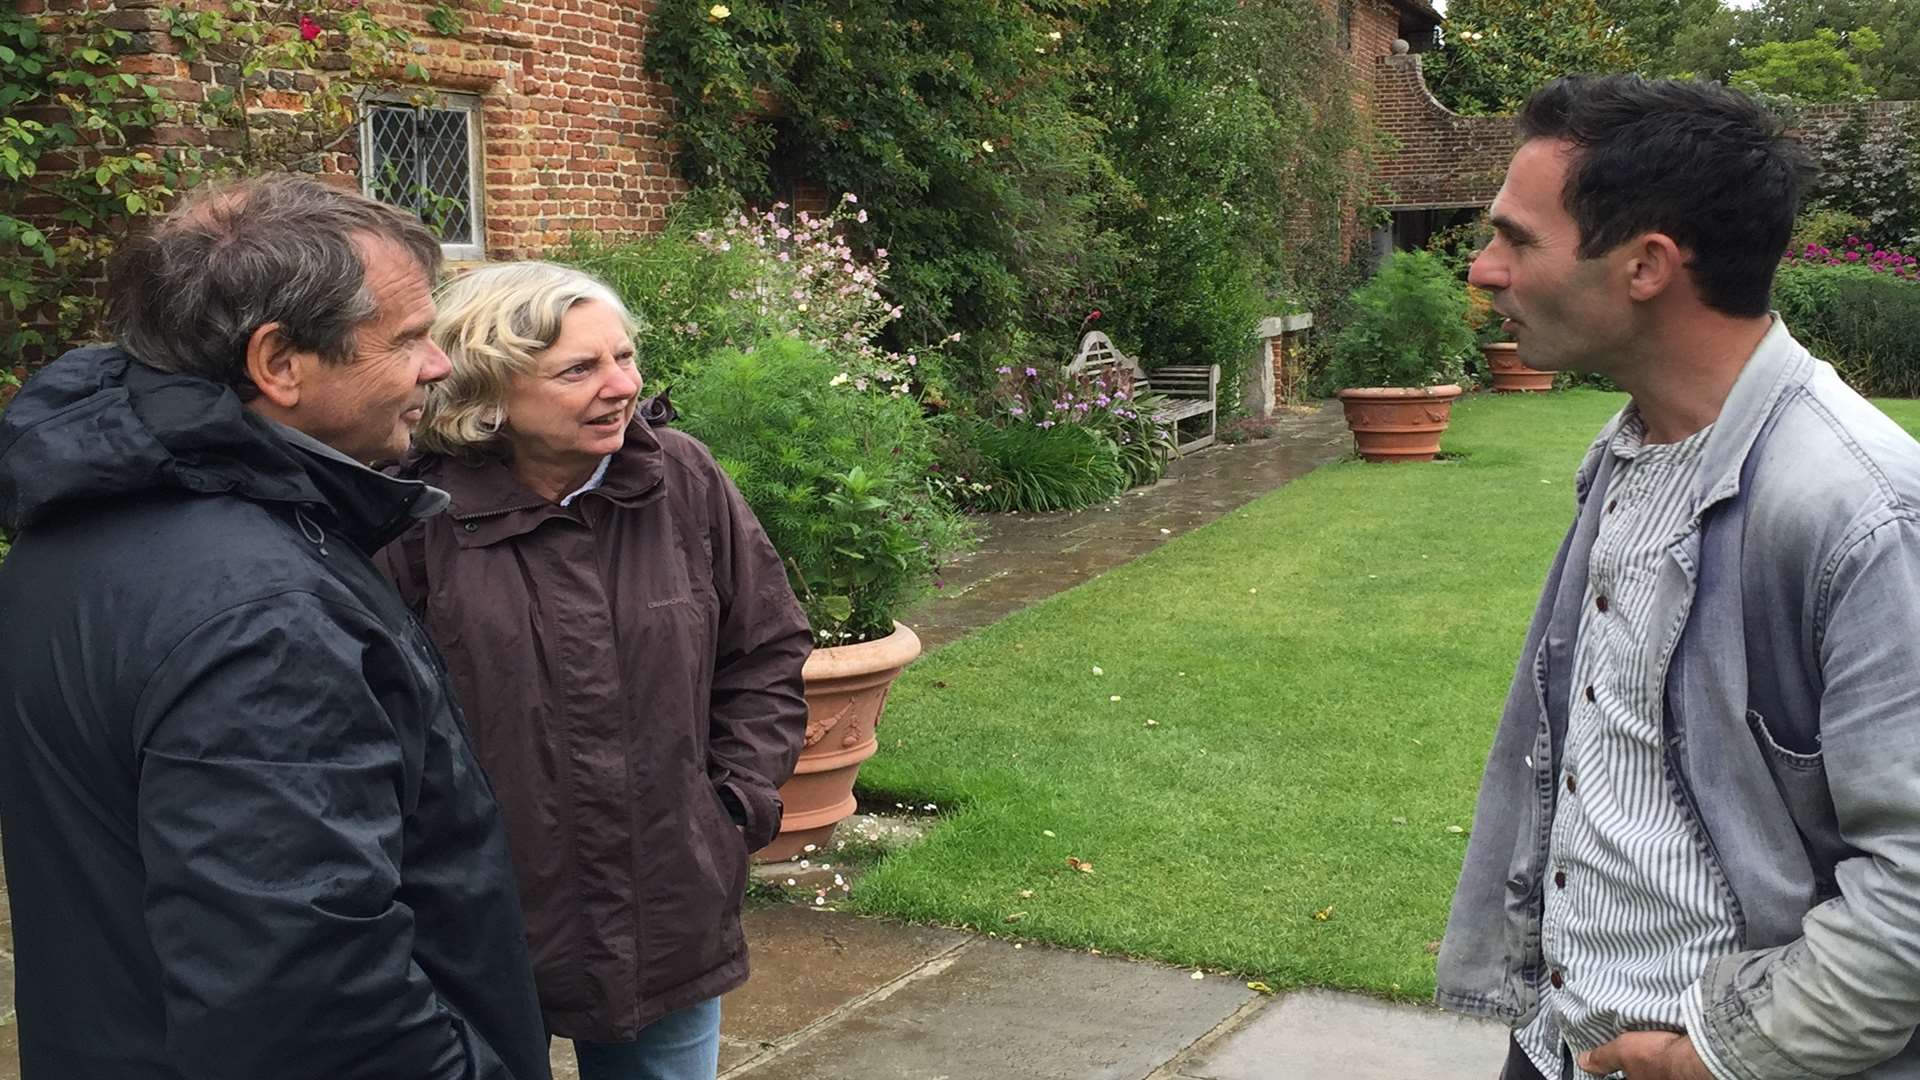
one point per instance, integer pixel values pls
(1601, 603)
(1570, 785)
(1559, 879)
(1558, 980)
(1589, 693)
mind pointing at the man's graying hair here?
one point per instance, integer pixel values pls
(187, 295)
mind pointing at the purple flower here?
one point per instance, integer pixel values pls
(1017, 411)
(1004, 370)
(1031, 373)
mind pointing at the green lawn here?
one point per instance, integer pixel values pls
(1324, 666)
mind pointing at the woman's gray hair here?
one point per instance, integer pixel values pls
(493, 322)
(187, 295)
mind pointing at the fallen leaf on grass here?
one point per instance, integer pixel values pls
(1260, 988)
(1026, 894)
(1399, 820)
(1080, 864)
(1016, 916)
(1323, 914)
(1046, 832)
(1433, 948)
(1198, 975)
(1455, 830)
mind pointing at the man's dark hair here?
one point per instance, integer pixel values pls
(1705, 165)
(186, 295)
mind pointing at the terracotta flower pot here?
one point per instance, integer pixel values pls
(846, 688)
(1399, 423)
(1510, 375)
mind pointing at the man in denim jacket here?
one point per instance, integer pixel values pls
(1697, 847)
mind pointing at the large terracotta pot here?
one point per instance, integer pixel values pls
(1399, 423)
(1510, 375)
(846, 688)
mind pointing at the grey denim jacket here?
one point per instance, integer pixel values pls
(1788, 652)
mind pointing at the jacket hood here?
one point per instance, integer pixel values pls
(97, 424)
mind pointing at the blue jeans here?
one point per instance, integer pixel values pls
(682, 1045)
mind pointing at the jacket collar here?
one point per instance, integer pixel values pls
(370, 508)
(1778, 368)
(490, 505)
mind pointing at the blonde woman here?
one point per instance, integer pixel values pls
(628, 653)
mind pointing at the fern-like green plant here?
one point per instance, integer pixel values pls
(836, 476)
(1407, 326)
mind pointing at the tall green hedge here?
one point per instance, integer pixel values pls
(1175, 165)
(1866, 324)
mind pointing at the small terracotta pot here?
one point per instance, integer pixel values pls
(1399, 423)
(846, 688)
(1510, 375)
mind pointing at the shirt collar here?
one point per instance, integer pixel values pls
(594, 481)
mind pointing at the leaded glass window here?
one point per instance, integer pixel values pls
(425, 158)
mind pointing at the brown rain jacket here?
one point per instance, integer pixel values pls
(630, 665)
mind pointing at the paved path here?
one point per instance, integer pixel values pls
(837, 997)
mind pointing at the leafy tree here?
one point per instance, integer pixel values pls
(1223, 124)
(1705, 44)
(1824, 67)
(1894, 68)
(1498, 51)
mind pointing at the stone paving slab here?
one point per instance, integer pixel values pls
(807, 964)
(991, 1010)
(1314, 1034)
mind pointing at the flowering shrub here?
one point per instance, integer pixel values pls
(1106, 403)
(1854, 251)
(701, 287)
(1049, 440)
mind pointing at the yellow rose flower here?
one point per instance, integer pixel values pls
(718, 12)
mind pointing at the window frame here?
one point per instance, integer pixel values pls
(471, 106)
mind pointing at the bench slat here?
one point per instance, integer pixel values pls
(1187, 390)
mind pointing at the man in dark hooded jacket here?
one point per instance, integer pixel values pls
(245, 835)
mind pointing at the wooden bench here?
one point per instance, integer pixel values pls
(1191, 391)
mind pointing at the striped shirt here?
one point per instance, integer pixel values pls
(1633, 908)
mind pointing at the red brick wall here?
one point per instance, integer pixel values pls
(573, 130)
(1441, 159)
(1375, 27)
